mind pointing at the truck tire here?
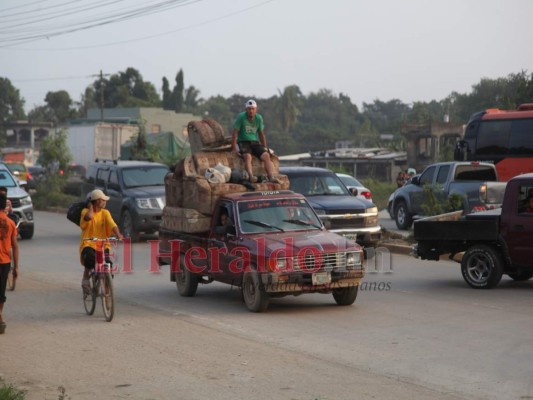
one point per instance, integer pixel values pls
(253, 292)
(403, 217)
(186, 281)
(522, 276)
(345, 296)
(127, 228)
(482, 267)
(27, 233)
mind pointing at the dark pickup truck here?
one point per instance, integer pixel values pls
(271, 244)
(494, 242)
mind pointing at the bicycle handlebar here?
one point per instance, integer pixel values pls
(109, 239)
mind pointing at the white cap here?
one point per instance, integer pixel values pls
(251, 104)
(98, 194)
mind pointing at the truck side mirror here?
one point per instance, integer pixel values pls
(415, 180)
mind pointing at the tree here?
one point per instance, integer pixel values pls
(178, 92)
(55, 152)
(167, 95)
(11, 104)
(290, 102)
(191, 98)
(126, 89)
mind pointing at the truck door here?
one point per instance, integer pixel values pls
(115, 195)
(416, 193)
(223, 241)
(517, 225)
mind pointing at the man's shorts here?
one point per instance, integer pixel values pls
(88, 255)
(255, 148)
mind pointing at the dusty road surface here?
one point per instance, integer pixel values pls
(417, 333)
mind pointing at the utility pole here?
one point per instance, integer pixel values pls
(101, 76)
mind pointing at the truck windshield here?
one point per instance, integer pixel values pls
(144, 176)
(276, 215)
(321, 185)
(6, 179)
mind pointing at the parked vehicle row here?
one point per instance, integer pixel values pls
(20, 201)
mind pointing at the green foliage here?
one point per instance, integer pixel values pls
(380, 191)
(55, 153)
(11, 104)
(49, 194)
(434, 203)
(8, 392)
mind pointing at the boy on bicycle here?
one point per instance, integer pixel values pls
(95, 222)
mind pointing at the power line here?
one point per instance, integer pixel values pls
(120, 15)
(192, 26)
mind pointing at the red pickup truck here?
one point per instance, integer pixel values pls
(494, 242)
(271, 244)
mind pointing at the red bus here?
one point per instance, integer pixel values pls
(504, 137)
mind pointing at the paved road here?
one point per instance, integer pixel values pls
(417, 332)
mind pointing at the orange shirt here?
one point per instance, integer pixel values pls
(8, 229)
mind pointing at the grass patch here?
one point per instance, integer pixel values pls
(380, 191)
(8, 392)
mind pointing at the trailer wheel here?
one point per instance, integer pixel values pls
(186, 281)
(403, 218)
(345, 296)
(482, 267)
(522, 276)
(253, 292)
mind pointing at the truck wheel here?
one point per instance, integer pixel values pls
(253, 292)
(345, 296)
(404, 219)
(126, 226)
(482, 267)
(27, 233)
(522, 276)
(186, 281)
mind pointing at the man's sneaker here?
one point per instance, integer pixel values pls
(273, 179)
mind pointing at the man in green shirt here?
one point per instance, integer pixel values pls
(249, 139)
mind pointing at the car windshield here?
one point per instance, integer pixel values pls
(6, 179)
(144, 176)
(276, 215)
(321, 185)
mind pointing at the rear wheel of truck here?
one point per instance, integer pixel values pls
(345, 296)
(522, 276)
(403, 218)
(186, 281)
(253, 292)
(482, 267)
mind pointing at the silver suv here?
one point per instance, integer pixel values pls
(20, 201)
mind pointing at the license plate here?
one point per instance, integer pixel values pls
(321, 278)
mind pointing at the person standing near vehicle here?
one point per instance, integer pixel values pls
(8, 246)
(249, 139)
(95, 222)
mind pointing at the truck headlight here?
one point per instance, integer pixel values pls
(371, 210)
(152, 203)
(25, 201)
(353, 259)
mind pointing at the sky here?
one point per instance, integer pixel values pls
(411, 50)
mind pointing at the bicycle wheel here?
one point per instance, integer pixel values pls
(108, 296)
(89, 297)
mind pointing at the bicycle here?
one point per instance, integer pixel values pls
(11, 282)
(100, 282)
